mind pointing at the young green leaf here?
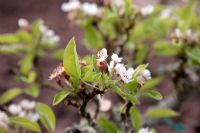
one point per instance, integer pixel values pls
(71, 61)
(160, 113)
(128, 6)
(139, 69)
(10, 95)
(33, 90)
(164, 48)
(141, 53)
(60, 96)
(26, 63)
(46, 116)
(108, 126)
(25, 37)
(152, 94)
(92, 37)
(125, 94)
(135, 118)
(152, 83)
(26, 124)
(9, 38)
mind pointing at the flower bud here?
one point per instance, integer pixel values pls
(24, 24)
(14, 109)
(101, 65)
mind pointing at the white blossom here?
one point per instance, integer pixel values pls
(165, 13)
(119, 67)
(22, 114)
(33, 116)
(126, 75)
(115, 58)
(70, 6)
(27, 105)
(147, 10)
(56, 38)
(145, 130)
(22, 22)
(4, 120)
(102, 55)
(189, 32)
(144, 76)
(111, 66)
(90, 8)
(14, 109)
(43, 28)
(178, 33)
(105, 104)
(49, 34)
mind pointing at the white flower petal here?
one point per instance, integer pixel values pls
(115, 58)
(90, 8)
(105, 104)
(70, 6)
(102, 55)
(147, 10)
(14, 109)
(22, 22)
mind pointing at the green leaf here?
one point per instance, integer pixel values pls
(152, 94)
(131, 86)
(135, 118)
(11, 48)
(36, 28)
(193, 55)
(28, 79)
(160, 113)
(33, 90)
(25, 37)
(152, 83)
(141, 53)
(125, 94)
(164, 48)
(128, 6)
(9, 38)
(92, 37)
(26, 63)
(186, 15)
(71, 61)
(108, 126)
(46, 116)
(89, 75)
(139, 69)
(60, 96)
(26, 124)
(10, 95)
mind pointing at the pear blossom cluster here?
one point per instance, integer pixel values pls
(90, 9)
(147, 10)
(48, 35)
(145, 130)
(188, 37)
(25, 108)
(117, 67)
(4, 120)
